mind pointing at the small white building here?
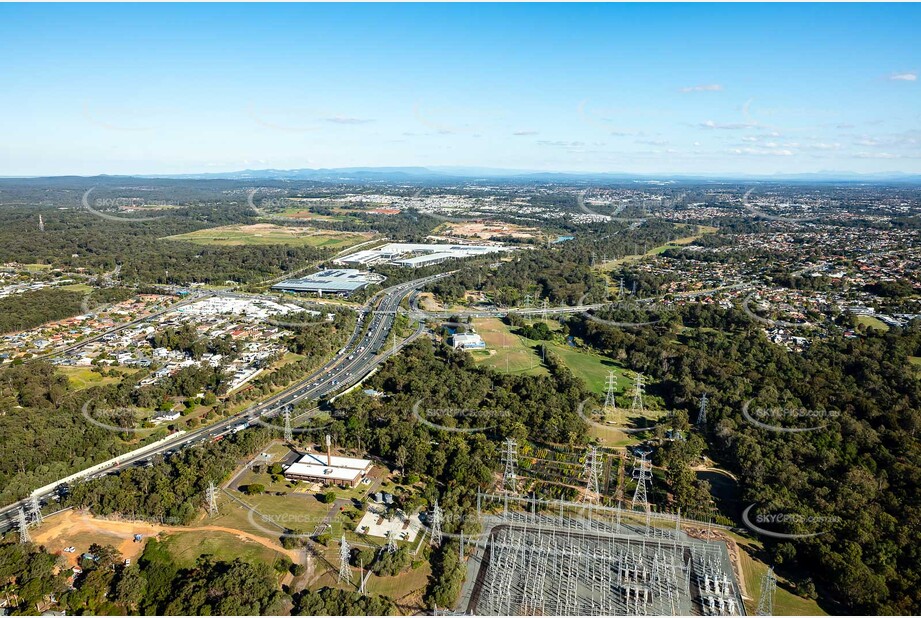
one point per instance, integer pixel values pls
(468, 341)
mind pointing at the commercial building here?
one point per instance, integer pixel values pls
(414, 255)
(341, 281)
(329, 470)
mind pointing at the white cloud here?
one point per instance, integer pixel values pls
(520, 133)
(773, 152)
(347, 120)
(904, 77)
(703, 88)
(732, 126)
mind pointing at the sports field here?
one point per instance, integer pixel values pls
(269, 234)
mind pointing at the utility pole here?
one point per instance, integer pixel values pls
(768, 586)
(510, 459)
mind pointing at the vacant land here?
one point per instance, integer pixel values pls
(84, 377)
(269, 234)
(80, 530)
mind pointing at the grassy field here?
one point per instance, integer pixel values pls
(506, 352)
(186, 547)
(870, 322)
(84, 377)
(592, 368)
(268, 234)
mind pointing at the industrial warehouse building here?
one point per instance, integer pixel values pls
(468, 341)
(341, 281)
(419, 254)
(329, 470)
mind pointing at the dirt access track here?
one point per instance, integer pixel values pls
(80, 529)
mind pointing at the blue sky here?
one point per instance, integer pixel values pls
(721, 89)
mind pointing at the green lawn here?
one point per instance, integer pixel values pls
(592, 368)
(870, 322)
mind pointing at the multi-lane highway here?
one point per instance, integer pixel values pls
(366, 349)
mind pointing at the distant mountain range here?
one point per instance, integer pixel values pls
(448, 174)
(410, 174)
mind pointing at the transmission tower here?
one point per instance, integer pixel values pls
(545, 304)
(36, 510)
(637, 406)
(768, 585)
(642, 472)
(344, 550)
(23, 524)
(702, 415)
(527, 301)
(436, 524)
(593, 466)
(212, 499)
(289, 433)
(41, 224)
(610, 403)
(621, 287)
(391, 547)
(510, 459)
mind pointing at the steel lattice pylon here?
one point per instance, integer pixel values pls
(642, 472)
(702, 415)
(610, 403)
(289, 433)
(768, 585)
(23, 524)
(637, 406)
(212, 499)
(510, 459)
(344, 551)
(593, 465)
(436, 524)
